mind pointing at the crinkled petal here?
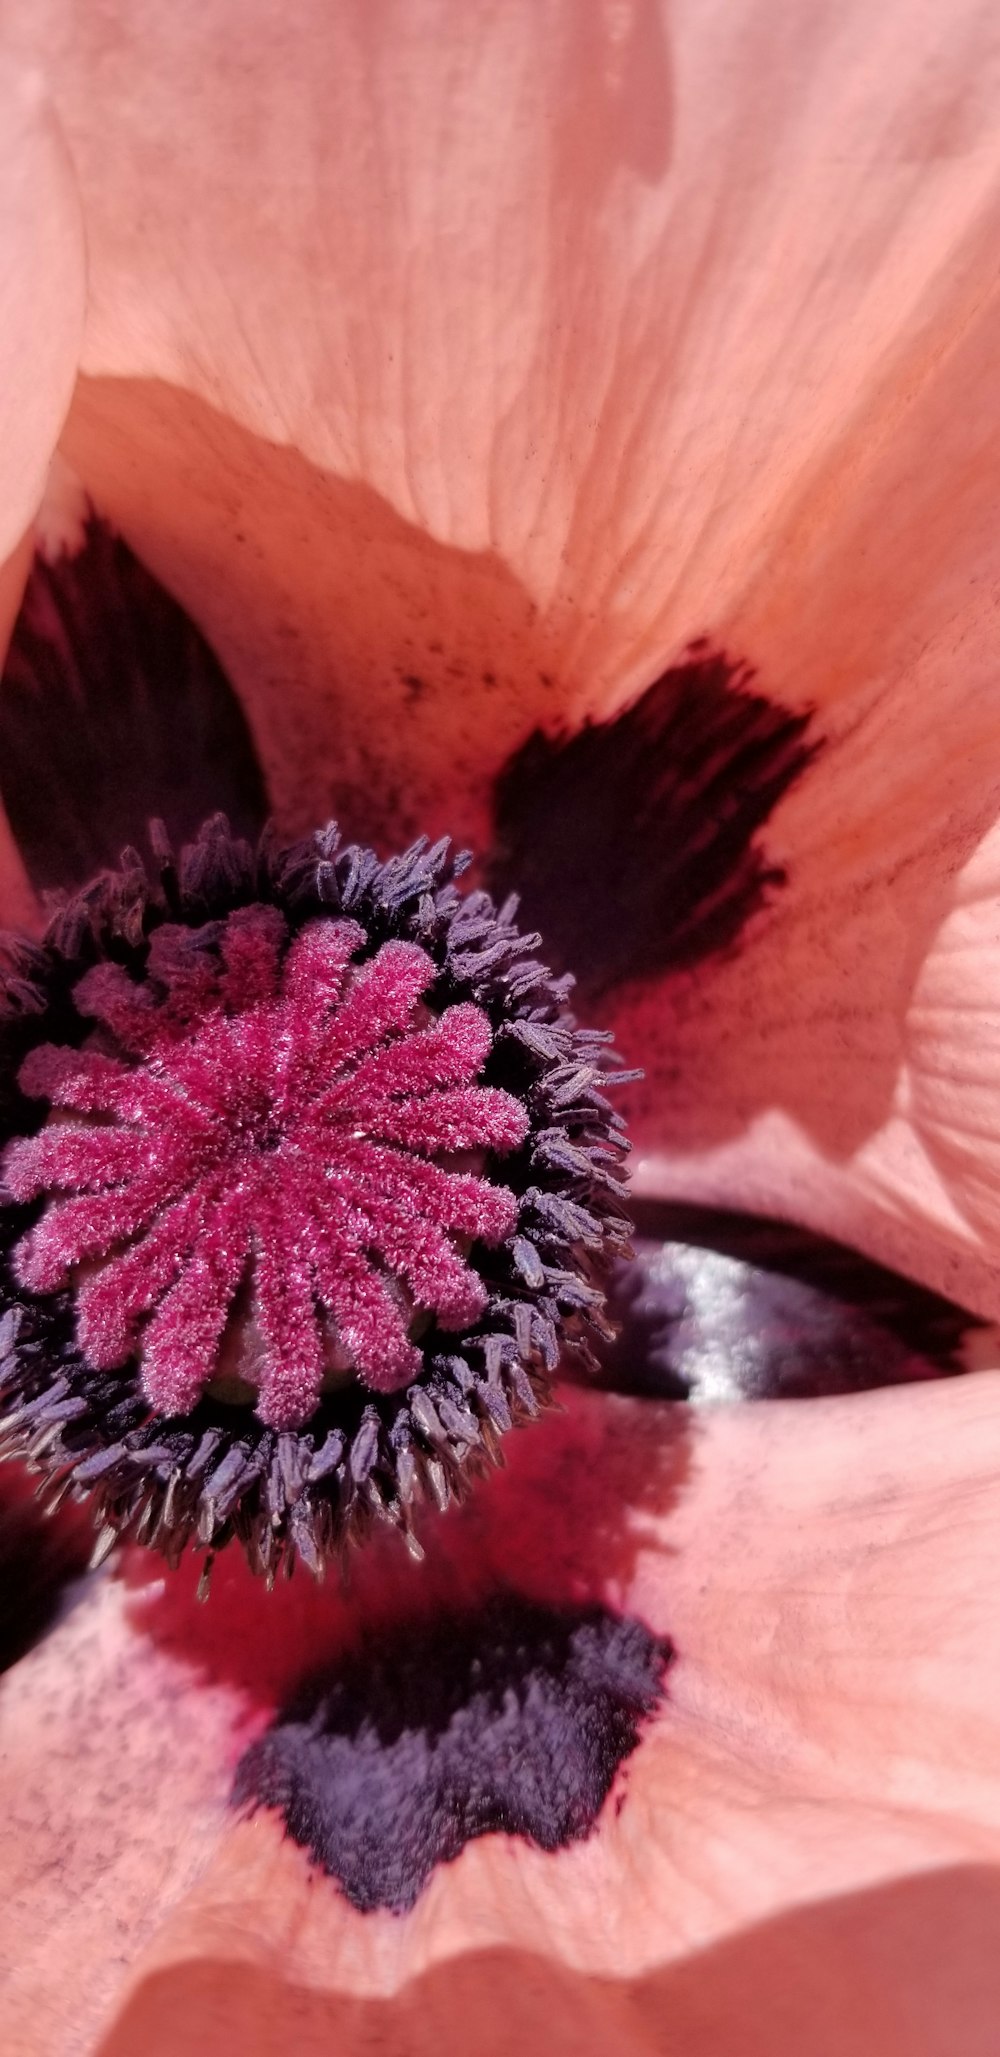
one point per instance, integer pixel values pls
(809, 1831)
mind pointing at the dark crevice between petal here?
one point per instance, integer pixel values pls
(633, 843)
(723, 1307)
(516, 1719)
(113, 709)
(43, 1565)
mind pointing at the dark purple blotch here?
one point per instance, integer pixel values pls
(43, 1564)
(113, 709)
(726, 1307)
(633, 843)
(516, 1719)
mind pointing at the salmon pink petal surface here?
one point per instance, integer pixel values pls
(810, 1824)
(584, 333)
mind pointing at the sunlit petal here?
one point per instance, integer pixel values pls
(435, 359)
(815, 1805)
(844, 1067)
(41, 296)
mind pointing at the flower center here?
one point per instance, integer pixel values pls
(324, 1140)
(269, 1112)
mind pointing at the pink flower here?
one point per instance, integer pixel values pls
(457, 368)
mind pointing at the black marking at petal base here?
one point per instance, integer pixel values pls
(632, 844)
(720, 1307)
(112, 709)
(516, 1720)
(217, 1473)
(42, 1565)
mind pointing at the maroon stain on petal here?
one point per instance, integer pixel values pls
(113, 709)
(514, 1719)
(721, 1307)
(634, 843)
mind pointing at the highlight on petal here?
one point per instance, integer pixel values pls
(807, 1835)
(112, 1811)
(951, 1089)
(720, 1307)
(41, 294)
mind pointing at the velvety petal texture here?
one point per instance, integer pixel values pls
(803, 1849)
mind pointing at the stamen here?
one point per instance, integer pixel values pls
(326, 1184)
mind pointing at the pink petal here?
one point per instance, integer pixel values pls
(580, 336)
(380, 1001)
(74, 1155)
(316, 967)
(843, 1067)
(110, 1304)
(126, 1007)
(430, 1264)
(41, 296)
(368, 1318)
(808, 1834)
(563, 321)
(88, 1226)
(82, 1079)
(467, 1118)
(251, 950)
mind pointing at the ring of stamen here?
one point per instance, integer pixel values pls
(324, 1139)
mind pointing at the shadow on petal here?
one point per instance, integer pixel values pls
(910, 1966)
(385, 675)
(565, 1520)
(43, 1561)
(113, 711)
